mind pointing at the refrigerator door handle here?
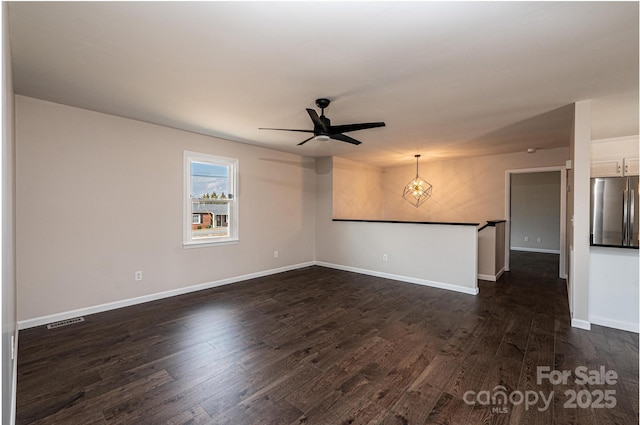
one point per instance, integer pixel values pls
(625, 218)
(632, 212)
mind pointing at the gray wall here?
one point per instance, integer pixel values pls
(535, 211)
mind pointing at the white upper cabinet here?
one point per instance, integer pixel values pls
(606, 167)
(631, 166)
(615, 157)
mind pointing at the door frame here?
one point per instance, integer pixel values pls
(562, 272)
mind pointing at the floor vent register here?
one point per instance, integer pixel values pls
(65, 322)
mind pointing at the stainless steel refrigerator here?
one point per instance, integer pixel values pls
(614, 211)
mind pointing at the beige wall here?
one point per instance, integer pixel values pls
(491, 252)
(84, 179)
(8, 228)
(581, 195)
(443, 256)
(357, 190)
(87, 184)
(464, 190)
(487, 254)
(569, 218)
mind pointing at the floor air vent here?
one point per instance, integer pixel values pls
(65, 322)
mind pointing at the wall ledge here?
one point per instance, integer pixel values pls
(540, 250)
(407, 222)
(491, 223)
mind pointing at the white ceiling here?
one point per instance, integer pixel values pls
(448, 78)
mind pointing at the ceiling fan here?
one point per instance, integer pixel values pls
(323, 130)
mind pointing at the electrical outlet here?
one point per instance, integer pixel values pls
(539, 239)
(138, 275)
(385, 257)
(276, 254)
(526, 238)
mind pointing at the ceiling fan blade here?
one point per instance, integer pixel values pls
(286, 129)
(316, 120)
(305, 141)
(344, 138)
(354, 127)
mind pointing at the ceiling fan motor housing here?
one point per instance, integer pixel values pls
(322, 102)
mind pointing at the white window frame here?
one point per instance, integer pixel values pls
(232, 163)
(196, 218)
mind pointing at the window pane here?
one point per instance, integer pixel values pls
(209, 181)
(214, 218)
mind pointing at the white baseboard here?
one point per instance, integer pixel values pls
(581, 324)
(43, 320)
(491, 278)
(14, 378)
(541, 250)
(417, 281)
(616, 324)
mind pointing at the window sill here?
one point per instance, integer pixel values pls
(190, 245)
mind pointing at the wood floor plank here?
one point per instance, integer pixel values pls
(311, 393)
(448, 410)
(415, 405)
(79, 411)
(161, 403)
(193, 416)
(503, 372)
(474, 368)
(275, 382)
(58, 391)
(403, 372)
(260, 411)
(485, 415)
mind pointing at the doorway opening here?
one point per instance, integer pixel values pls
(536, 213)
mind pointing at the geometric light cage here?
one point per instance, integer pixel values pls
(417, 190)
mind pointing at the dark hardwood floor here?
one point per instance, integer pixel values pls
(322, 346)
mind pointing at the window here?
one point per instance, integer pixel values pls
(210, 200)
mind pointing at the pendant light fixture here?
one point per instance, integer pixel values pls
(417, 190)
